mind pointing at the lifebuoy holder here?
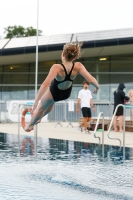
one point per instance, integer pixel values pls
(23, 116)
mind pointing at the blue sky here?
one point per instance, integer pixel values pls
(70, 16)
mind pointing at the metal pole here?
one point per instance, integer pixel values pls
(19, 129)
(124, 110)
(103, 136)
(124, 126)
(64, 102)
(101, 113)
(36, 74)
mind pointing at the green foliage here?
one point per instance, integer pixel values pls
(20, 31)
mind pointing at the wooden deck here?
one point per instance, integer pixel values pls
(128, 123)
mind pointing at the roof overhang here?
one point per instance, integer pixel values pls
(101, 43)
(56, 55)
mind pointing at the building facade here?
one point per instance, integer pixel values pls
(107, 55)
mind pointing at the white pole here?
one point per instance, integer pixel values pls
(36, 74)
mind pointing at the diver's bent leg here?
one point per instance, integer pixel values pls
(46, 112)
(42, 110)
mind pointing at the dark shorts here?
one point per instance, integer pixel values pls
(119, 111)
(86, 112)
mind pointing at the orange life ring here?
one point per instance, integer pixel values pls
(27, 146)
(23, 116)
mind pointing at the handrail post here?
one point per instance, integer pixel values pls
(101, 113)
(124, 114)
(35, 139)
(124, 126)
(102, 136)
(19, 127)
(2, 102)
(112, 123)
(102, 128)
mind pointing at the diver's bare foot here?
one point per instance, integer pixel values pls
(28, 129)
(38, 121)
(121, 131)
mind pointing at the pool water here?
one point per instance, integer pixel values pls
(63, 170)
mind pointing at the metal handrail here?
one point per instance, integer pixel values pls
(101, 113)
(2, 102)
(123, 125)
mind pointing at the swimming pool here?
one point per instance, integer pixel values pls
(63, 170)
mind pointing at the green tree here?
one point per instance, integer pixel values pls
(20, 31)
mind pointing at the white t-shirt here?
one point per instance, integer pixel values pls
(85, 96)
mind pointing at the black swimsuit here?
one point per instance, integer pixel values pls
(58, 94)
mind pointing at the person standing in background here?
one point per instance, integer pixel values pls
(131, 103)
(119, 97)
(85, 99)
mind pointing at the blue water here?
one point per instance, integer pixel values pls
(63, 170)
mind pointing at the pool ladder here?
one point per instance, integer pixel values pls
(110, 126)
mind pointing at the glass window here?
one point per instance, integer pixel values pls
(96, 65)
(103, 93)
(121, 78)
(14, 92)
(128, 87)
(102, 78)
(122, 58)
(42, 66)
(17, 68)
(15, 78)
(1, 69)
(40, 78)
(78, 80)
(0, 78)
(45, 66)
(75, 91)
(0, 92)
(116, 79)
(108, 72)
(32, 92)
(122, 66)
(58, 61)
(32, 79)
(122, 63)
(115, 86)
(32, 67)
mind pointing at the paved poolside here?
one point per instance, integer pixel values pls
(65, 132)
